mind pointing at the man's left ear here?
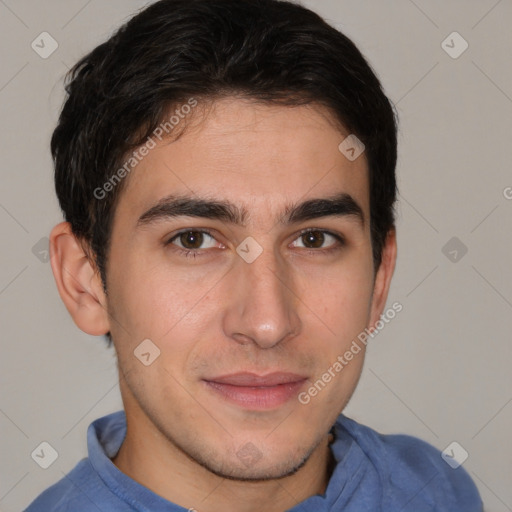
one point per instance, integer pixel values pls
(383, 277)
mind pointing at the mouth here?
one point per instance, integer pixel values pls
(257, 392)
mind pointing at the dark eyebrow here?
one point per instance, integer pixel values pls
(184, 206)
(340, 205)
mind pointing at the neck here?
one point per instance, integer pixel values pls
(152, 460)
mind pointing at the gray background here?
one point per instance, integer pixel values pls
(440, 370)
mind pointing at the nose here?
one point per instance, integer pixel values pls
(263, 305)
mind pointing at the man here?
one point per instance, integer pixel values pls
(226, 169)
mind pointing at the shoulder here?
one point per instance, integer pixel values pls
(80, 490)
(85, 487)
(415, 468)
(60, 495)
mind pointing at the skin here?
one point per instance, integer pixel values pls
(296, 308)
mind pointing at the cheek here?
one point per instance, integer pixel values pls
(340, 297)
(343, 306)
(158, 300)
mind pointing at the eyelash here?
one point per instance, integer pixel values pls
(197, 253)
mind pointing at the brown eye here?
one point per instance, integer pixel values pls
(191, 239)
(318, 239)
(313, 239)
(194, 240)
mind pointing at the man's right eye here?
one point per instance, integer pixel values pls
(193, 242)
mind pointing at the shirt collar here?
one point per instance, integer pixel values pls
(106, 435)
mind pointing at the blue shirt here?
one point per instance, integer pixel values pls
(373, 473)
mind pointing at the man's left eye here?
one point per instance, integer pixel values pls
(316, 240)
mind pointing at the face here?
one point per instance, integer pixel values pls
(242, 250)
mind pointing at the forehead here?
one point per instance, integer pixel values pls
(257, 155)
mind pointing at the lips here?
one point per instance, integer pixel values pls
(257, 392)
(253, 380)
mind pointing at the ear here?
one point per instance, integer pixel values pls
(78, 281)
(383, 277)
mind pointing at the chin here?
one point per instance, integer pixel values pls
(250, 464)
